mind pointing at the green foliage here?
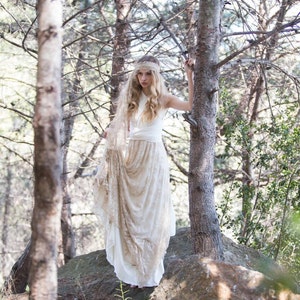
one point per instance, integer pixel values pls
(122, 292)
(269, 195)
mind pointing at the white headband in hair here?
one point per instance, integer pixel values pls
(148, 65)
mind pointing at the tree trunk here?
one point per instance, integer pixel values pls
(47, 154)
(205, 227)
(17, 280)
(190, 21)
(6, 215)
(120, 51)
(68, 236)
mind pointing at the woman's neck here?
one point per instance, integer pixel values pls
(146, 92)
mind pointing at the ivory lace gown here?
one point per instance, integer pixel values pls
(135, 204)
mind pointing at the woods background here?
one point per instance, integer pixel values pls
(258, 135)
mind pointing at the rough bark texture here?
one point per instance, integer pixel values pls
(47, 154)
(204, 222)
(120, 52)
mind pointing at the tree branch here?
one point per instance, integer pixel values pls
(80, 12)
(88, 159)
(14, 141)
(28, 50)
(258, 41)
(177, 164)
(17, 154)
(16, 111)
(257, 32)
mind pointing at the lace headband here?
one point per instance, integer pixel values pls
(148, 65)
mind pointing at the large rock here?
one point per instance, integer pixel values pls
(245, 274)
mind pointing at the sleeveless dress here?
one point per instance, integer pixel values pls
(135, 203)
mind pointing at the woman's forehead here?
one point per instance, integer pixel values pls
(144, 70)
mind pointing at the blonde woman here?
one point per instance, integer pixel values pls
(132, 192)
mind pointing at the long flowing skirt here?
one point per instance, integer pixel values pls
(133, 199)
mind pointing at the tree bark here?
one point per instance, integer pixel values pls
(47, 154)
(120, 51)
(6, 214)
(205, 227)
(190, 21)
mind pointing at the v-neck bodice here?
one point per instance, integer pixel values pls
(142, 130)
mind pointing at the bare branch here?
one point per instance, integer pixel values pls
(28, 50)
(88, 159)
(177, 164)
(16, 111)
(81, 11)
(15, 19)
(258, 41)
(26, 34)
(17, 154)
(88, 34)
(257, 32)
(14, 141)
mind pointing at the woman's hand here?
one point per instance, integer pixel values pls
(105, 132)
(189, 67)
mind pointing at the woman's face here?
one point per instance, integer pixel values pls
(145, 78)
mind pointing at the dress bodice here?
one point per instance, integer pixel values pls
(141, 130)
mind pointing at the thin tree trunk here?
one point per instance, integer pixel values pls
(248, 182)
(68, 236)
(47, 154)
(190, 21)
(6, 215)
(257, 89)
(17, 280)
(205, 227)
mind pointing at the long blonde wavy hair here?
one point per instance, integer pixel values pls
(134, 89)
(128, 102)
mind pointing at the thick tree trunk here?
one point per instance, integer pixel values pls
(120, 51)
(47, 154)
(204, 221)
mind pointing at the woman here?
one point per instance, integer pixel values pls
(132, 193)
